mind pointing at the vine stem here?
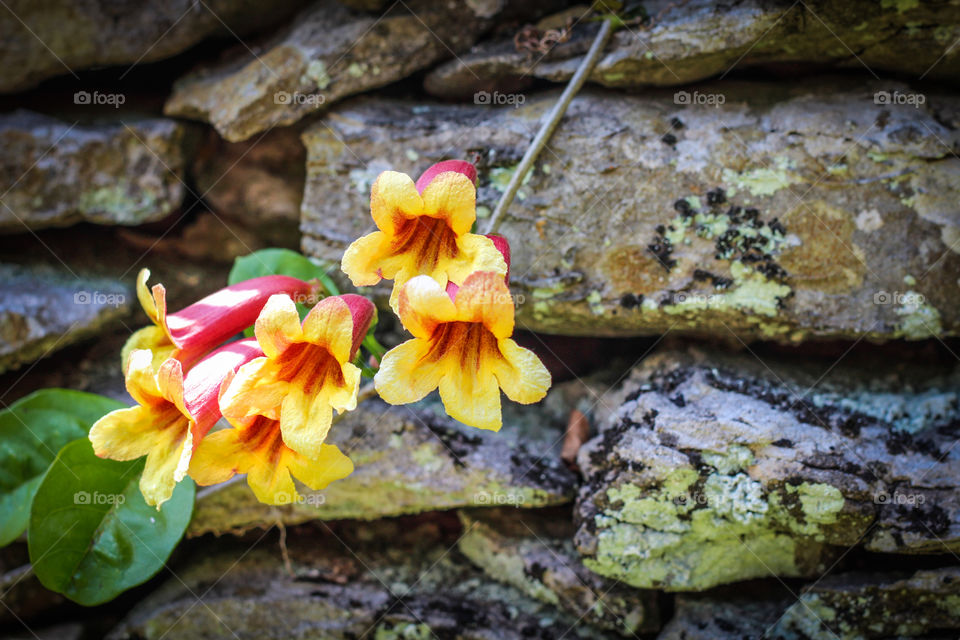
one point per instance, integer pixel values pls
(365, 393)
(550, 124)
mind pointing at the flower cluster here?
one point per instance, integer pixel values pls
(279, 391)
(450, 292)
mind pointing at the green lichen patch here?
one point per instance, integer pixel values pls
(695, 531)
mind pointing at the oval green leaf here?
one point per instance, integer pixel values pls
(32, 431)
(279, 262)
(91, 534)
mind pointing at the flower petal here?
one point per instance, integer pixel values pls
(272, 484)
(484, 297)
(146, 298)
(520, 373)
(166, 465)
(423, 304)
(361, 260)
(140, 380)
(317, 473)
(253, 390)
(394, 198)
(471, 396)
(344, 398)
(330, 324)
(170, 383)
(477, 253)
(124, 434)
(218, 458)
(405, 375)
(305, 421)
(278, 325)
(151, 338)
(451, 196)
(460, 166)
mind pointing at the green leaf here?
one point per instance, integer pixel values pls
(32, 430)
(91, 534)
(271, 262)
(280, 262)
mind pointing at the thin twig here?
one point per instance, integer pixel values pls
(548, 127)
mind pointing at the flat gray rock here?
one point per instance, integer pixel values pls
(329, 51)
(870, 605)
(532, 550)
(45, 309)
(39, 40)
(397, 578)
(255, 185)
(786, 213)
(57, 173)
(411, 459)
(700, 39)
(712, 468)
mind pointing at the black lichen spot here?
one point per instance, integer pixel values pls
(683, 208)
(716, 197)
(724, 625)
(718, 282)
(631, 300)
(784, 443)
(661, 248)
(676, 123)
(669, 139)
(926, 520)
(679, 400)
(650, 418)
(900, 442)
(536, 571)
(459, 443)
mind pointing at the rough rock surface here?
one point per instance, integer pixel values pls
(715, 468)
(390, 579)
(256, 185)
(57, 173)
(697, 40)
(42, 310)
(39, 40)
(533, 551)
(864, 605)
(328, 52)
(409, 460)
(726, 616)
(780, 214)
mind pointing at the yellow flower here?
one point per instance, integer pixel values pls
(306, 371)
(462, 345)
(255, 447)
(174, 413)
(421, 234)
